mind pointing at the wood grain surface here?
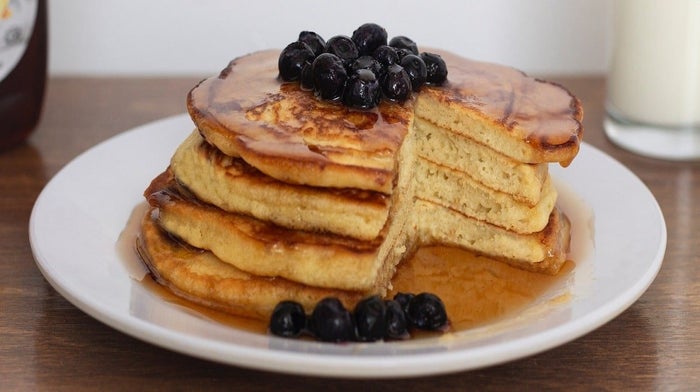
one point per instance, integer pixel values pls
(48, 344)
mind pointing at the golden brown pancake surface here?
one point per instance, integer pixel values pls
(289, 134)
(201, 277)
(232, 185)
(265, 249)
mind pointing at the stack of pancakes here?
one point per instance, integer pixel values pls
(278, 195)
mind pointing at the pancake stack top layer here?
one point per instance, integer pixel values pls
(306, 197)
(290, 135)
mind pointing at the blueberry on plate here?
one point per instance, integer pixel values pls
(416, 70)
(292, 60)
(362, 90)
(403, 299)
(396, 324)
(436, 68)
(329, 76)
(369, 37)
(331, 322)
(288, 319)
(370, 319)
(426, 311)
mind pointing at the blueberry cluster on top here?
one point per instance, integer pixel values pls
(371, 320)
(360, 70)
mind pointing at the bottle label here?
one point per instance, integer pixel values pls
(17, 19)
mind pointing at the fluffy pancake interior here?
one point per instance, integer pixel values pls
(494, 170)
(459, 191)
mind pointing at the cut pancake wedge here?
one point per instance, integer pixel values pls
(523, 181)
(442, 185)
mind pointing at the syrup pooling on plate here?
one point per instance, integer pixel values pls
(476, 290)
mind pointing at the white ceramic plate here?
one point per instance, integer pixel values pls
(80, 214)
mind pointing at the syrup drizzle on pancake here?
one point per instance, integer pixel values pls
(543, 113)
(255, 113)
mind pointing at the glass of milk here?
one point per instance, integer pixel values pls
(653, 98)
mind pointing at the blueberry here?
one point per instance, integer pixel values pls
(343, 47)
(366, 62)
(436, 67)
(370, 319)
(426, 311)
(315, 42)
(292, 60)
(396, 325)
(307, 76)
(288, 319)
(416, 70)
(396, 85)
(403, 299)
(362, 90)
(401, 53)
(369, 37)
(386, 55)
(331, 322)
(402, 42)
(329, 76)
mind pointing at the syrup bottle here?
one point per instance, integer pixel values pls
(23, 47)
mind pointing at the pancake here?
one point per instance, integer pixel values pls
(290, 135)
(282, 186)
(264, 249)
(201, 277)
(527, 119)
(459, 191)
(234, 186)
(544, 251)
(522, 181)
(327, 260)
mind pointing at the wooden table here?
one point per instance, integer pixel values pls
(48, 344)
